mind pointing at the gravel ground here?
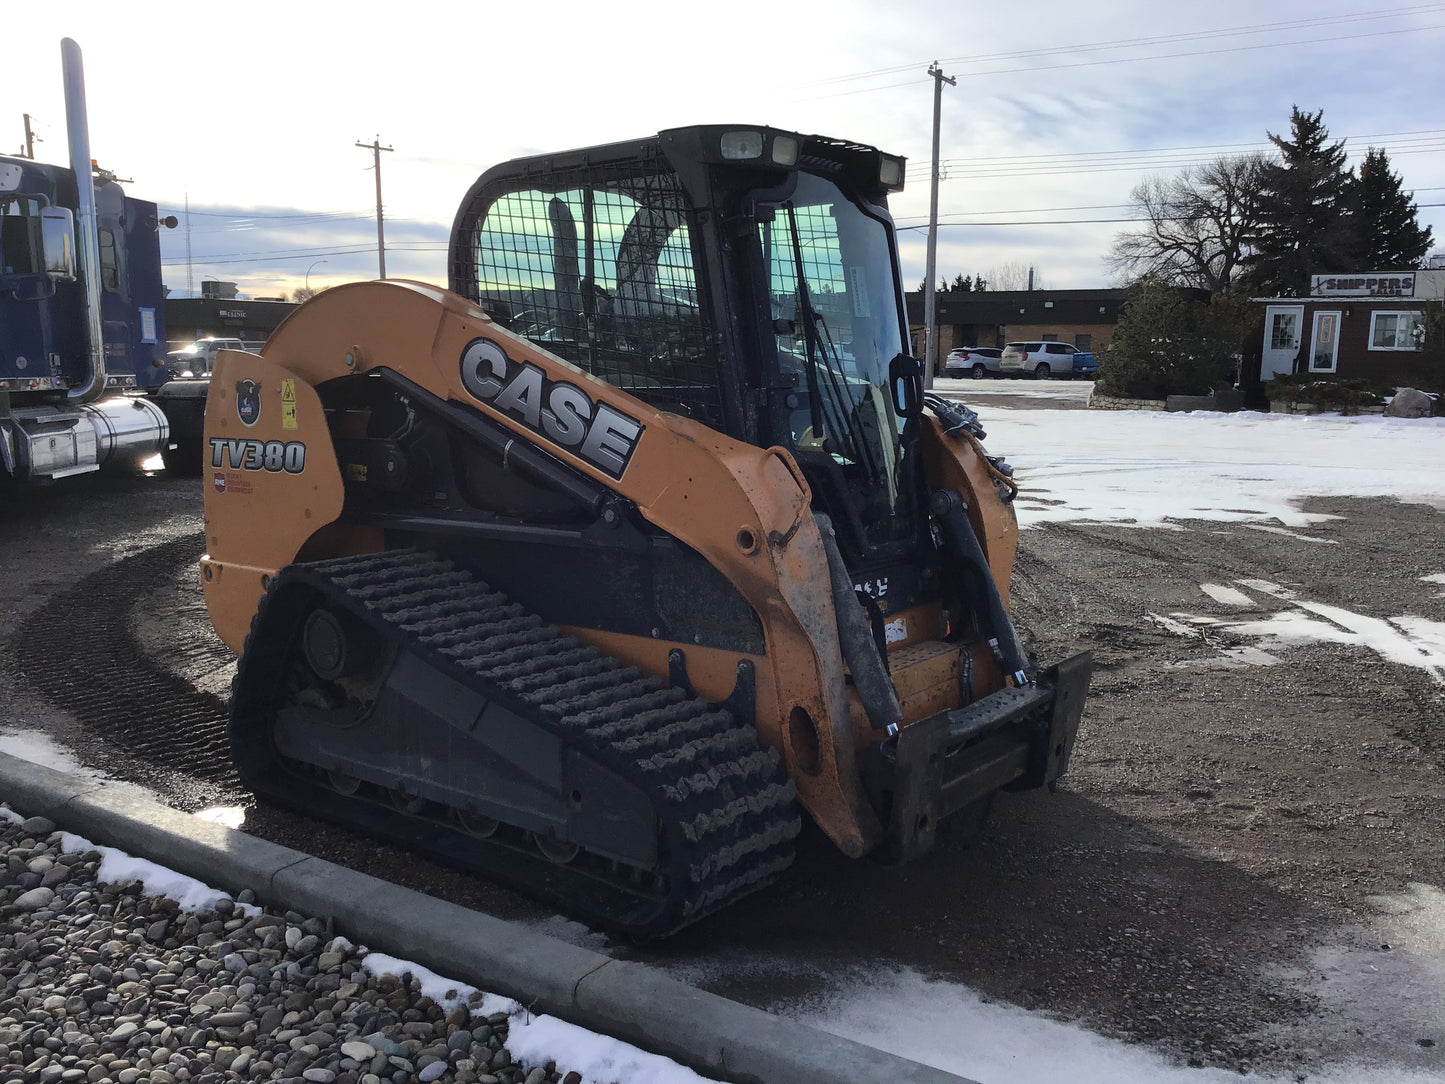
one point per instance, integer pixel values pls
(1239, 870)
(105, 984)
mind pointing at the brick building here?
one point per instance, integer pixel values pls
(1368, 325)
(1082, 318)
(190, 318)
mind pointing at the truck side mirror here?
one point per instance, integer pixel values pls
(57, 243)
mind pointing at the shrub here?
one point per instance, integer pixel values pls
(1308, 389)
(1434, 347)
(1168, 345)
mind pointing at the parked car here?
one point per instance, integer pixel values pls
(197, 358)
(975, 361)
(1043, 360)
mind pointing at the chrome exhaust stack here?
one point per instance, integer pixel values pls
(86, 226)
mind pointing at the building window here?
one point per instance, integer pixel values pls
(1084, 342)
(1051, 338)
(1397, 330)
(1284, 332)
(1325, 342)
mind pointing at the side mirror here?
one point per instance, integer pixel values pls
(905, 382)
(57, 243)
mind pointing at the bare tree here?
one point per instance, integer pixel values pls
(1015, 275)
(1196, 225)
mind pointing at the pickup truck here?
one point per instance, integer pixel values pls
(197, 358)
(1044, 360)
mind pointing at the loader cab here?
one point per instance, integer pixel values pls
(743, 277)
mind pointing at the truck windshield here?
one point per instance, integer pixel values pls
(835, 315)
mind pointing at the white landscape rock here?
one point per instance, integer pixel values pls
(1410, 403)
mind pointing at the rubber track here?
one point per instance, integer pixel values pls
(727, 810)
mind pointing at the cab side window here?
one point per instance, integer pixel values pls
(603, 276)
(19, 237)
(109, 263)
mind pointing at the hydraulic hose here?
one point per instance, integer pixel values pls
(969, 559)
(860, 650)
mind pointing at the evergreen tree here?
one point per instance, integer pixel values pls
(1387, 226)
(1167, 345)
(1305, 221)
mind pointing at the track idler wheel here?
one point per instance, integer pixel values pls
(476, 824)
(337, 645)
(555, 850)
(404, 802)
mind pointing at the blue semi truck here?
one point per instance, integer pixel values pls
(82, 326)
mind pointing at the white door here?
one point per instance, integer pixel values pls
(1282, 327)
(1325, 342)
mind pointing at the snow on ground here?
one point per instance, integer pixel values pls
(952, 1028)
(1150, 467)
(538, 1039)
(40, 748)
(1407, 640)
(1068, 391)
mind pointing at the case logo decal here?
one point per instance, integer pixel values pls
(558, 411)
(248, 401)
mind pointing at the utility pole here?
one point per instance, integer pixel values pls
(376, 148)
(30, 139)
(930, 332)
(190, 281)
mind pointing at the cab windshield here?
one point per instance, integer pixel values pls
(837, 327)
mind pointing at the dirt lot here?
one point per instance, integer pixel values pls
(1239, 868)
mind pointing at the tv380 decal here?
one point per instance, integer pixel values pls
(272, 456)
(561, 412)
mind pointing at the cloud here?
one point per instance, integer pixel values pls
(268, 251)
(252, 116)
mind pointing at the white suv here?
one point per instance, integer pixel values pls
(975, 361)
(1042, 359)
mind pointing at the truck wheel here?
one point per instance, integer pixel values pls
(1042, 371)
(978, 371)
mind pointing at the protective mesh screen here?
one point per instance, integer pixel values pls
(598, 269)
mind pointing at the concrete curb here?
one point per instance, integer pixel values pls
(629, 1001)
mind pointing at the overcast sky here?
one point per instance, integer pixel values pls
(1060, 108)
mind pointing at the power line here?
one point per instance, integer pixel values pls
(1137, 59)
(363, 213)
(1140, 42)
(1081, 221)
(1406, 137)
(980, 169)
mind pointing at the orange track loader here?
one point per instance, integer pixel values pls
(595, 571)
